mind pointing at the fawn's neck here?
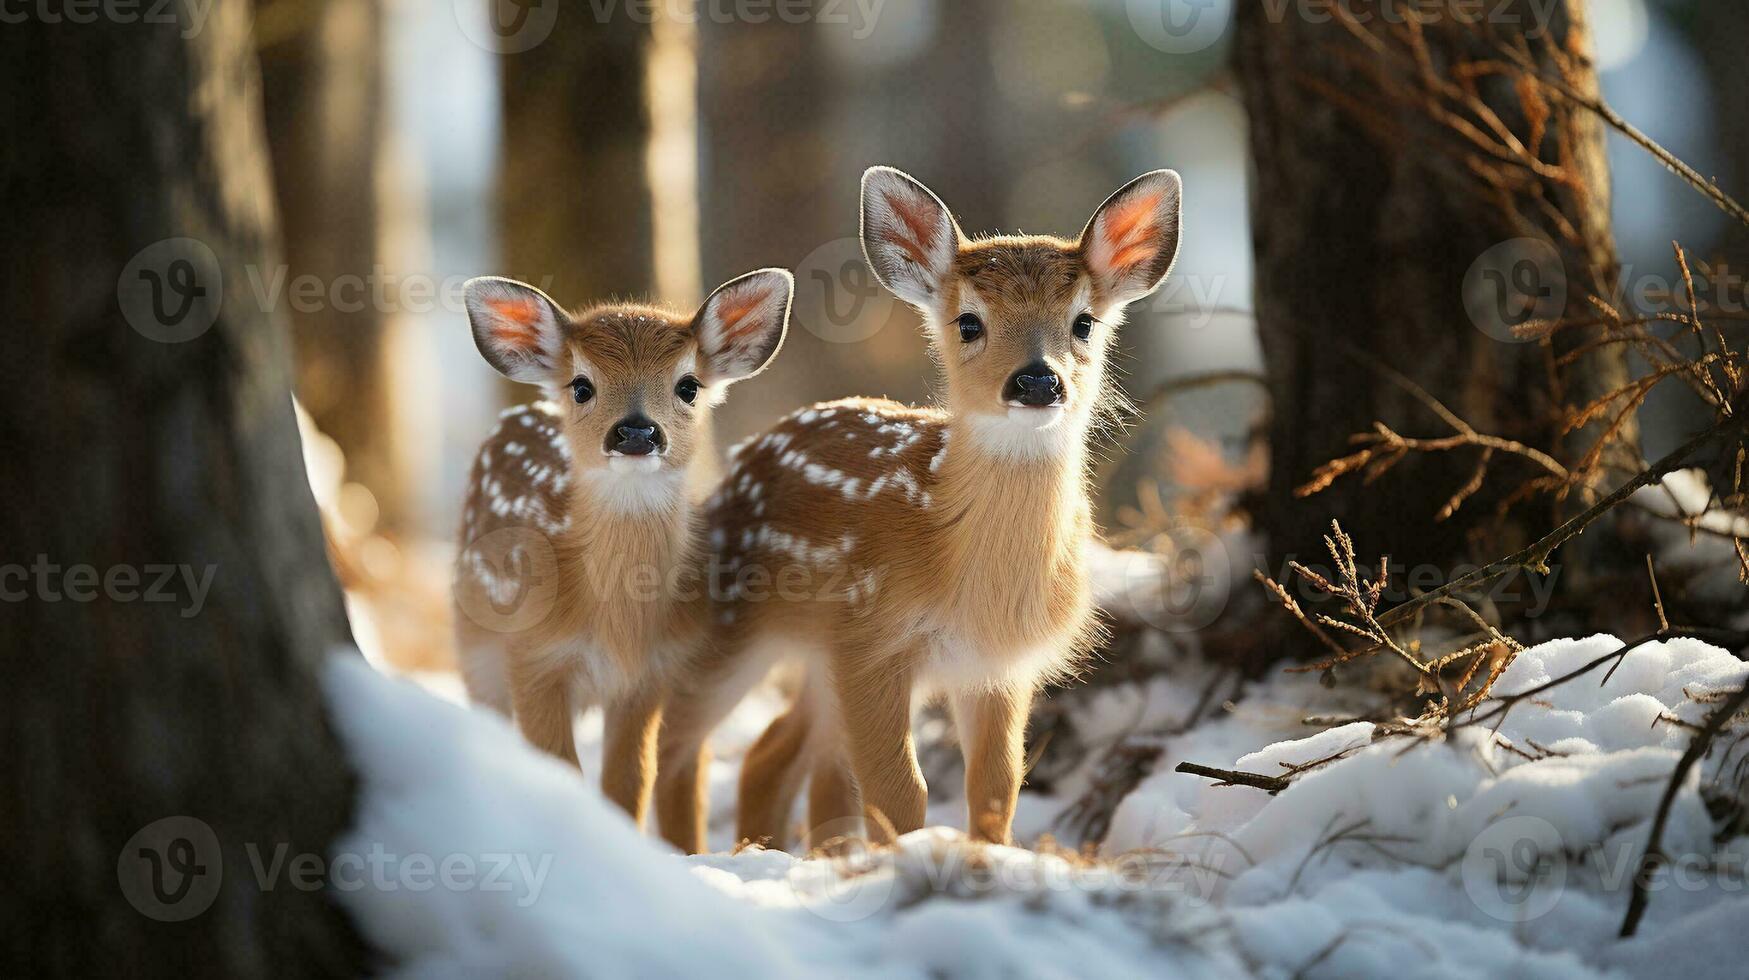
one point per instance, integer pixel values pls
(1035, 474)
(628, 533)
(1012, 529)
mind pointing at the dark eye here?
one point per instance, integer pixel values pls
(581, 389)
(1083, 326)
(687, 389)
(971, 328)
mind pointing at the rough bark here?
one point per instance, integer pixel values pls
(136, 442)
(1365, 221)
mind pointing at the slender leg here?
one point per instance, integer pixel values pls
(992, 730)
(832, 800)
(770, 777)
(682, 775)
(543, 712)
(628, 761)
(875, 702)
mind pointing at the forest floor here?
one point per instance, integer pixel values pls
(1481, 854)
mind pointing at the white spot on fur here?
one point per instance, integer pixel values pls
(940, 455)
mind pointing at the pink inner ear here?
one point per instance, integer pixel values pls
(517, 317)
(917, 218)
(1131, 232)
(735, 308)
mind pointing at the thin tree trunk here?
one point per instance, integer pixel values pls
(573, 197)
(142, 435)
(323, 96)
(1366, 222)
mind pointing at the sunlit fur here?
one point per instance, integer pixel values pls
(934, 549)
(566, 582)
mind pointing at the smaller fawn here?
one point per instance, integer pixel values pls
(938, 549)
(579, 514)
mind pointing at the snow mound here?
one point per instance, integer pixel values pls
(1485, 853)
(581, 893)
(1476, 854)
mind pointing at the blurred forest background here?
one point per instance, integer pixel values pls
(629, 156)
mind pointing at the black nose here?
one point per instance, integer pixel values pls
(1034, 386)
(635, 435)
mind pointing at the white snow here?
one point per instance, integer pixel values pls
(1478, 854)
(585, 895)
(1459, 855)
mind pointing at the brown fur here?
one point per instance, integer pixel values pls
(904, 548)
(572, 585)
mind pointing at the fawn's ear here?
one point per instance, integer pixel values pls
(908, 236)
(1132, 240)
(516, 327)
(741, 325)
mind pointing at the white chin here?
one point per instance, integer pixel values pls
(634, 464)
(1036, 418)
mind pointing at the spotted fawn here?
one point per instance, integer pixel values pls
(579, 520)
(933, 550)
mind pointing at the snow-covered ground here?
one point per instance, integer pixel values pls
(1480, 855)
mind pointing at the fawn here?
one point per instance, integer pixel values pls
(579, 518)
(940, 549)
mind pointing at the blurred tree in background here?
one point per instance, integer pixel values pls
(323, 93)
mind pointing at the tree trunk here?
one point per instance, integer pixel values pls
(322, 93)
(574, 198)
(148, 433)
(1369, 218)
